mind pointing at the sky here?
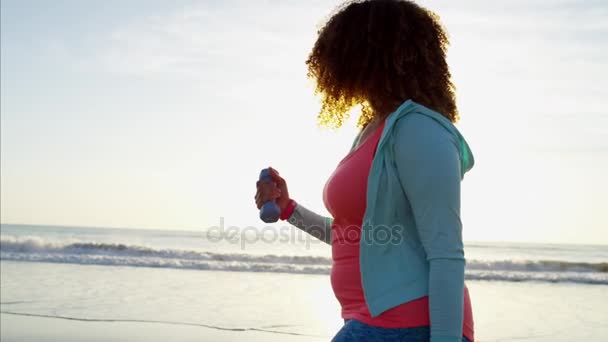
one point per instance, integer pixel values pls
(160, 114)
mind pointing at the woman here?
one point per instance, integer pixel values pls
(395, 231)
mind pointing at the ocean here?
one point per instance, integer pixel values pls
(274, 284)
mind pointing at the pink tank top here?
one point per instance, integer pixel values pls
(345, 198)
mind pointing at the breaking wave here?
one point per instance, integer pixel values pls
(117, 254)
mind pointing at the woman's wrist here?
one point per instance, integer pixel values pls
(289, 209)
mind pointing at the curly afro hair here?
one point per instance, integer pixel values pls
(377, 54)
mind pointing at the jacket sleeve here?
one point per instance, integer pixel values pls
(312, 223)
(428, 163)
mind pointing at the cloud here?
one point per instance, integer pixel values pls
(210, 41)
(541, 65)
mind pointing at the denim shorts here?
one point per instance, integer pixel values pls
(355, 331)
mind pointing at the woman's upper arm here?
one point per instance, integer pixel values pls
(428, 163)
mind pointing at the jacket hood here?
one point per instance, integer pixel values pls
(409, 107)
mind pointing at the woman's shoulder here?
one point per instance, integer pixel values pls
(420, 127)
(427, 134)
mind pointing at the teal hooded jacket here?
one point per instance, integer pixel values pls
(411, 242)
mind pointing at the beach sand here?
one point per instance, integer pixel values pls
(37, 329)
(278, 303)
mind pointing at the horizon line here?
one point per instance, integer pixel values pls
(194, 230)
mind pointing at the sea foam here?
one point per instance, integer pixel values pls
(35, 249)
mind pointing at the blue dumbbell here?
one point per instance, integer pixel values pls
(270, 211)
